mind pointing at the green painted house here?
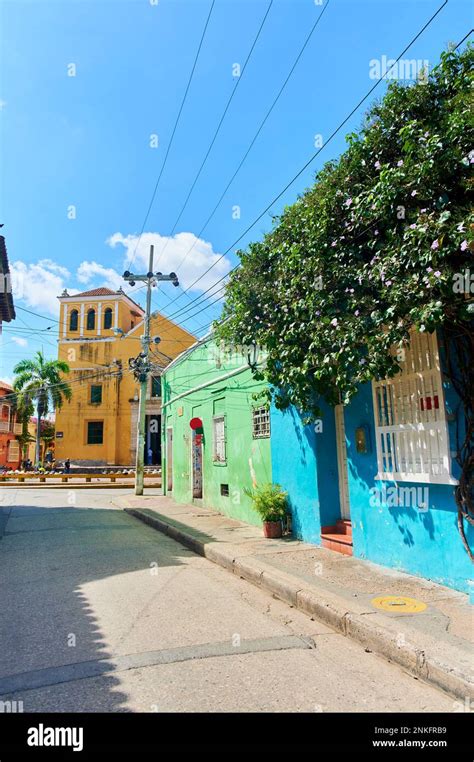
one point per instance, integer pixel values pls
(216, 429)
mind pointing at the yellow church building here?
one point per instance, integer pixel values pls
(99, 331)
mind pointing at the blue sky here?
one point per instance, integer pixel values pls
(83, 141)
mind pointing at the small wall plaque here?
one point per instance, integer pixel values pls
(362, 439)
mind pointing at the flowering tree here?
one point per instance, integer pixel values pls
(378, 245)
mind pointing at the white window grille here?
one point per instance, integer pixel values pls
(219, 454)
(260, 422)
(13, 450)
(410, 417)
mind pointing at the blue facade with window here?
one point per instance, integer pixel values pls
(403, 522)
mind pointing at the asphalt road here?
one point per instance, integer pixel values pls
(100, 612)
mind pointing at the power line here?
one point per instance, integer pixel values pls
(173, 132)
(262, 124)
(229, 101)
(36, 314)
(103, 374)
(300, 172)
(464, 38)
(11, 329)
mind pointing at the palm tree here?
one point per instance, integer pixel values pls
(40, 380)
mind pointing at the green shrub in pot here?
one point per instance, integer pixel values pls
(270, 501)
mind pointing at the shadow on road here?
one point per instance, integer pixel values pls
(48, 558)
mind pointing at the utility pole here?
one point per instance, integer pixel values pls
(141, 365)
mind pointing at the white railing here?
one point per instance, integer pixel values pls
(411, 430)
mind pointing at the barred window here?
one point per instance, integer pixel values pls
(260, 422)
(410, 417)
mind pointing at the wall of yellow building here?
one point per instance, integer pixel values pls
(95, 361)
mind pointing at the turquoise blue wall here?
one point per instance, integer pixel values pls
(421, 542)
(411, 539)
(305, 464)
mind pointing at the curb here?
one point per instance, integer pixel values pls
(324, 606)
(71, 486)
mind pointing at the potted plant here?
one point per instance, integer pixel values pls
(270, 502)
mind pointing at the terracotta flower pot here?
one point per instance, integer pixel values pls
(272, 529)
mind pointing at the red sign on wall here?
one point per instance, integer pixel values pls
(195, 423)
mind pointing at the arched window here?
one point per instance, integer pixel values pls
(73, 320)
(5, 413)
(108, 318)
(90, 323)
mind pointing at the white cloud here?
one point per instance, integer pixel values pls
(105, 276)
(39, 284)
(20, 341)
(54, 267)
(183, 253)
(2, 104)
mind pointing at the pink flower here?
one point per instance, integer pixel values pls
(400, 163)
(348, 202)
(413, 226)
(435, 244)
(377, 164)
(334, 322)
(356, 313)
(414, 193)
(334, 243)
(437, 274)
(464, 245)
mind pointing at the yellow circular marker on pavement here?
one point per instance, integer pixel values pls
(398, 604)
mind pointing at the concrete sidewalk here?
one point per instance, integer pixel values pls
(435, 644)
